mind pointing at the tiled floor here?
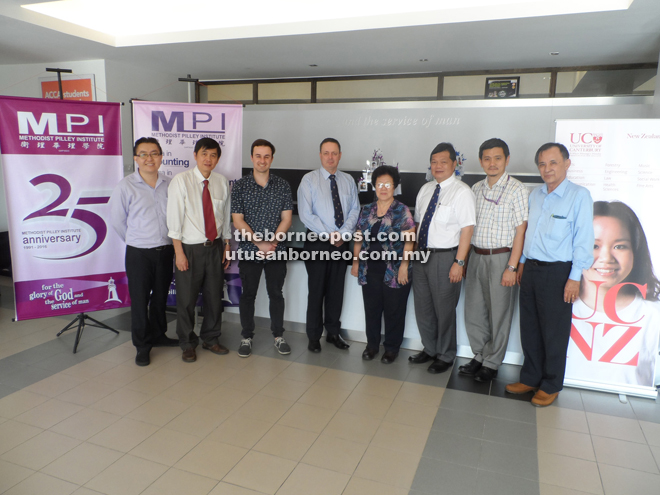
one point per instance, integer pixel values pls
(302, 424)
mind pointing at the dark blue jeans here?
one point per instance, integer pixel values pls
(250, 273)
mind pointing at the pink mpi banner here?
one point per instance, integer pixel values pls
(61, 160)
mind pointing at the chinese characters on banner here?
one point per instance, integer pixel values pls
(616, 321)
(61, 161)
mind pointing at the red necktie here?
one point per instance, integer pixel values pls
(209, 217)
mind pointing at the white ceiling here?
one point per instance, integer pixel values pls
(617, 37)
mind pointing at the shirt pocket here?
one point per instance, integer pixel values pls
(501, 215)
(218, 207)
(560, 228)
(442, 214)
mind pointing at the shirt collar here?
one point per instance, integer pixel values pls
(198, 175)
(559, 190)
(325, 174)
(500, 182)
(446, 182)
(138, 178)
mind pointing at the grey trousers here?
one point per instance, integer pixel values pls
(435, 305)
(489, 307)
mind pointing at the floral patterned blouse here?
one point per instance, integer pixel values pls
(397, 219)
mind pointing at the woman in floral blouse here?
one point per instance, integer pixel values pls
(387, 229)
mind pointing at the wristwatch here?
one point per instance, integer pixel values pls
(511, 268)
(459, 262)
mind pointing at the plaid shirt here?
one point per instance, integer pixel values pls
(497, 219)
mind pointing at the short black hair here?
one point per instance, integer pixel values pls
(145, 140)
(330, 140)
(386, 170)
(494, 143)
(444, 147)
(262, 142)
(547, 146)
(208, 143)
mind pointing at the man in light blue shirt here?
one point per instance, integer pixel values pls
(558, 246)
(328, 205)
(138, 213)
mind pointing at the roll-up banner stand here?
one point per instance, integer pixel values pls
(61, 160)
(616, 321)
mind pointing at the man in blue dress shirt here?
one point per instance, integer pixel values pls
(138, 213)
(558, 246)
(328, 205)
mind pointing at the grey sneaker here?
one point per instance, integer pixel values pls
(281, 346)
(246, 348)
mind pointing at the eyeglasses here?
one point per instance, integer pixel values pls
(497, 202)
(386, 185)
(153, 154)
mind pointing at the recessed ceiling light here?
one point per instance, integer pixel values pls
(554, 53)
(313, 65)
(423, 59)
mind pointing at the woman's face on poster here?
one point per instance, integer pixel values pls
(613, 254)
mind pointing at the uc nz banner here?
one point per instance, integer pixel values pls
(61, 160)
(178, 127)
(616, 321)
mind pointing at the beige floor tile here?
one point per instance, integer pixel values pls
(284, 388)
(421, 394)
(158, 411)
(122, 401)
(123, 374)
(565, 442)
(176, 368)
(211, 459)
(19, 402)
(212, 375)
(624, 454)
(82, 463)
(306, 417)
(124, 435)
(265, 408)
(366, 405)
(360, 486)
(352, 427)
(165, 446)
(241, 431)
(196, 420)
(49, 413)
(118, 355)
(569, 472)
(614, 427)
(546, 489)
(323, 396)
(302, 372)
(311, 479)
(39, 483)
(562, 418)
(188, 391)
(85, 491)
(177, 482)
(401, 437)
(88, 393)
(382, 387)
(13, 433)
(651, 432)
(284, 441)
(55, 385)
(620, 481)
(411, 414)
(335, 454)
(89, 368)
(85, 423)
(223, 488)
(128, 476)
(11, 474)
(153, 382)
(390, 467)
(262, 472)
(340, 379)
(225, 400)
(41, 450)
(265, 363)
(251, 382)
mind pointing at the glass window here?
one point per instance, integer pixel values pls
(473, 87)
(606, 82)
(291, 92)
(228, 93)
(406, 88)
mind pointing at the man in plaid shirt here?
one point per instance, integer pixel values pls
(497, 243)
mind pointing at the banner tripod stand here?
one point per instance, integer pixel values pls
(80, 319)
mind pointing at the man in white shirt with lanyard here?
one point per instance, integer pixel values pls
(445, 213)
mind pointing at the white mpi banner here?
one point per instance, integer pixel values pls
(616, 321)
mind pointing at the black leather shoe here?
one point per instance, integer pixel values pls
(338, 341)
(142, 358)
(439, 366)
(420, 358)
(388, 357)
(314, 346)
(369, 354)
(166, 342)
(471, 368)
(485, 374)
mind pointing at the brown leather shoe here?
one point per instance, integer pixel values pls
(519, 388)
(541, 399)
(189, 356)
(215, 348)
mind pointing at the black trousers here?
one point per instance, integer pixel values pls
(204, 272)
(149, 274)
(250, 273)
(325, 282)
(379, 300)
(545, 325)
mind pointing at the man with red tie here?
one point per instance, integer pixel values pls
(198, 219)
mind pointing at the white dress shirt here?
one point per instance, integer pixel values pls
(185, 212)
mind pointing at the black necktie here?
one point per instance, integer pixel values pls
(339, 213)
(423, 237)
